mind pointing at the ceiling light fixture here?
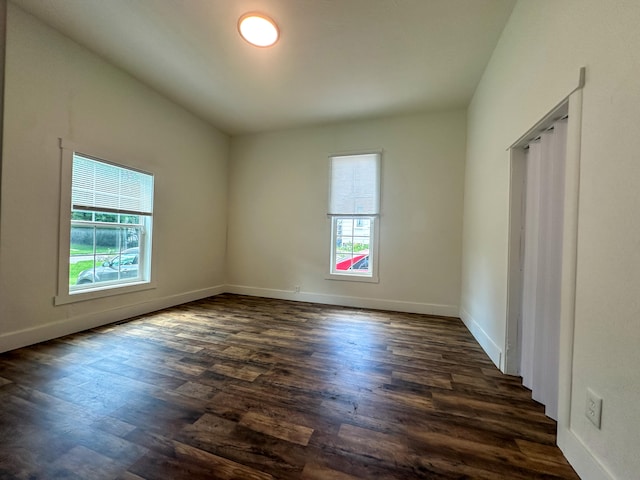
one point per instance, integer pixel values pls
(258, 29)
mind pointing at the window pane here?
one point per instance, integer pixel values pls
(352, 245)
(344, 224)
(82, 241)
(107, 240)
(129, 219)
(77, 215)
(355, 263)
(360, 244)
(363, 225)
(361, 263)
(103, 254)
(106, 217)
(344, 262)
(85, 265)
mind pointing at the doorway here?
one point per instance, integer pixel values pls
(558, 197)
(543, 199)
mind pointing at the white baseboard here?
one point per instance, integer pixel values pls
(583, 461)
(488, 345)
(41, 333)
(347, 301)
(60, 328)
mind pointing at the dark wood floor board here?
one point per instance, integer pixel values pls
(337, 457)
(412, 378)
(154, 443)
(96, 392)
(312, 419)
(26, 445)
(178, 367)
(109, 445)
(316, 470)
(249, 445)
(158, 415)
(193, 463)
(48, 412)
(235, 387)
(466, 403)
(122, 367)
(492, 457)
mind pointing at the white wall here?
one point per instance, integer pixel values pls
(55, 88)
(534, 66)
(279, 230)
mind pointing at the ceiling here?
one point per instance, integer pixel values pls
(336, 59)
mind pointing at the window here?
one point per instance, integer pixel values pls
(111, 209)
(354, 204)
(106, 243)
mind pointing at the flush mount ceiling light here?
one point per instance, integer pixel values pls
(258, 29)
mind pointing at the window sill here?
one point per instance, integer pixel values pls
(101, 292)
(344, 277)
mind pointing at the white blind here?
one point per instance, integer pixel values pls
(355, 185)
(105, 187)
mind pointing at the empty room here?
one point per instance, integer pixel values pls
(386, 239)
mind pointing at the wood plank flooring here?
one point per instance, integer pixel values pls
(235, 387)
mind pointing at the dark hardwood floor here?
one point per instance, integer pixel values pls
(235, 387)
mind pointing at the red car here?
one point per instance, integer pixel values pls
(357, 262)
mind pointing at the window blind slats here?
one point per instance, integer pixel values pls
(354, 188)
(102, 186)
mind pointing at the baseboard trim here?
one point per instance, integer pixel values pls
(583, 461)
(78, 323)
(347, 301)
(60, 328)
(488, 345)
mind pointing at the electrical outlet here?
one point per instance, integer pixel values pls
(297, 288)
(594, 408)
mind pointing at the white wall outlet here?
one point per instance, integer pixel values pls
(297, 288)
(594, 408)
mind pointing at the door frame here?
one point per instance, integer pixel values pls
(572, 104)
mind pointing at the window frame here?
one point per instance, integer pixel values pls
(373, 217)
(64, 294)
(373, 251)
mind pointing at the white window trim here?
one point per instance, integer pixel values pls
(373, 253)
(375, 225)
(63, 295)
